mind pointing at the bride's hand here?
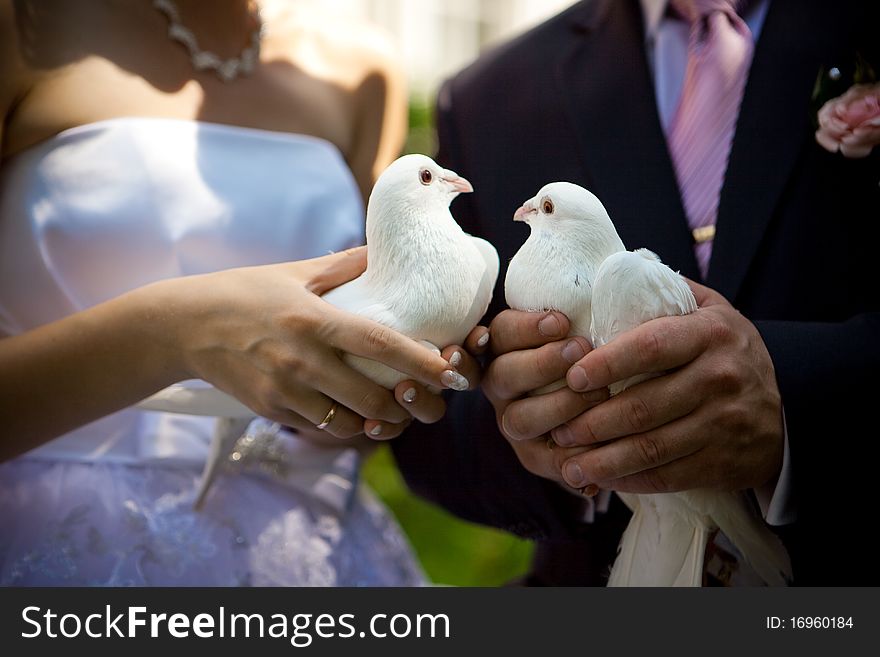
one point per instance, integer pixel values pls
(264, 335)
(424, 403)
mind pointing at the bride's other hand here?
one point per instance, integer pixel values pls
(263, 335)
(425, 404)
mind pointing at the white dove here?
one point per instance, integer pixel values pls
(571, 234)
(665, 542)
(425, 278)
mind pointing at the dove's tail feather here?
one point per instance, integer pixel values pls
(233, 419)
(207, 401)
(660, 547)
(759, 546)
(227, 431)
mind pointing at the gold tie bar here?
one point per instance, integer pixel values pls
(703, 234)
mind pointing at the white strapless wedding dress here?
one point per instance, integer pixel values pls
(109, 206)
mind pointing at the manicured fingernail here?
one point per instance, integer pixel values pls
(573, 352)
(590, 490)
(409, 395)
(454, 380)
(577, 378)
(484, 340)
(376, 431)
(455, 359)
(573, 475)
(563, 436)
(549, 326)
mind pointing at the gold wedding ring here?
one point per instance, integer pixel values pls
(328, 418)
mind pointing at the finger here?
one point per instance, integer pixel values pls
(633, 454)
(376, 430)
(297, 422)
(333, 270)
(543, 458)
(464, 364)
(869, 129)
(705, 296)
(682, 474)
(514, 330)
(535, 416)
(652, 348)
(363, 337)
(477, 341)
(518, 372)
(315, 408)
(638, 409)
(423, 405)
(352, 389)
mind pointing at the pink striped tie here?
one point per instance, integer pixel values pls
(719, 54)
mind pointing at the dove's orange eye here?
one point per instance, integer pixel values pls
(547, 206)
(426, 177)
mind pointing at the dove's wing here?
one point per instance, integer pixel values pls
(488, 277)
(664, 543)
(490, 257)
(358, 297)
(633, 287)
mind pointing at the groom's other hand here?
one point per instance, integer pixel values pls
(530, 351)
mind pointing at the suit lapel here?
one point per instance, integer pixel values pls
(773, 127)
(612, 110)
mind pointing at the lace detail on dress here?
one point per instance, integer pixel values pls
(117, 525)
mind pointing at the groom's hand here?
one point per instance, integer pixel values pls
(530, 352)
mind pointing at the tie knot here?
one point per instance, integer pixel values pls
(695, 10)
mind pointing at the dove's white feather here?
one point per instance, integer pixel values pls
(227, 431)
(555, 267)
(665, 542)
(207, 401)
(425, 278)
(631, 288)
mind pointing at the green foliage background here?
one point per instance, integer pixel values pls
(451, 551)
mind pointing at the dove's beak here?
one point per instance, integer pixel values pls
(459, 184)
(524, 212)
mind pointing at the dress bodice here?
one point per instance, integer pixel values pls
(106, 207)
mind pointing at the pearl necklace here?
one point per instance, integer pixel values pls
(227, 70)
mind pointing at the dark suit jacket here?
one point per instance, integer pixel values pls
(795, 252)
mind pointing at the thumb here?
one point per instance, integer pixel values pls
(705, 296)
(334, 270)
